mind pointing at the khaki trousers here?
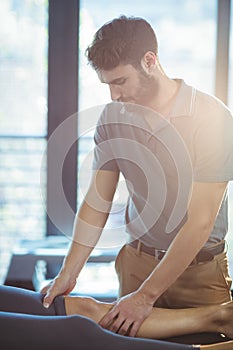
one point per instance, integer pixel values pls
(201, 284)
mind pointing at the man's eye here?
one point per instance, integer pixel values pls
(121, 82)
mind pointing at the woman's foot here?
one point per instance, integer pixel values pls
(219, 346)
(86, 306)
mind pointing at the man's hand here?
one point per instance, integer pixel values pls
(127, 315)
(61, 285)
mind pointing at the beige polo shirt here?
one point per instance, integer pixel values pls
(161, 157)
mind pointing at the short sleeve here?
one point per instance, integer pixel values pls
(103, 155)
(213, 144)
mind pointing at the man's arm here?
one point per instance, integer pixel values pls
(88, 226)
(130, 311)
(202, 212)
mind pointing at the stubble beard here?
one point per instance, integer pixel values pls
(146, 91)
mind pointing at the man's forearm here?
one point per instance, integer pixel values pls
(75, 259)
(88, 227)
(90, 220)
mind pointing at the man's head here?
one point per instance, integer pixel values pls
(124, 40)
(124, 55)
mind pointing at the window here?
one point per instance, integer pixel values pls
(23, 119)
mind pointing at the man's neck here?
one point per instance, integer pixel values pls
(165, 95)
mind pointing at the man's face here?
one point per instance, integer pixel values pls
(128, 84)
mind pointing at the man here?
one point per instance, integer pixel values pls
(172, 260)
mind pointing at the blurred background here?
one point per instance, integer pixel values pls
(44, 78)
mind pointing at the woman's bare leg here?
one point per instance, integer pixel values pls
(164, 323)
(220, 346)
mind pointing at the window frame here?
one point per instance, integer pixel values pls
(62, 103)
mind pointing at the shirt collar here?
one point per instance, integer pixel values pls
(183, 107)
(184, 102)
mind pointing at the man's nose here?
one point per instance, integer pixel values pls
(115, 92)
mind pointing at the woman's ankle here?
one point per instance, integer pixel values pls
(86, 306)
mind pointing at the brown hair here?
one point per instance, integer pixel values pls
(124, 40)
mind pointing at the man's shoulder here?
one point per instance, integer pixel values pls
(210, 105)
(112, 112)
(120, 116)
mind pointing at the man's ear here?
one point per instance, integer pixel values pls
(148, 61)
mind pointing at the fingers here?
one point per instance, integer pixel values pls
(50, 292)
(59, 286)
(118, 324)
(134, 329)
(115, 326)
(125, 328)
(44, 290)
(108, 319)
(48, 298)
